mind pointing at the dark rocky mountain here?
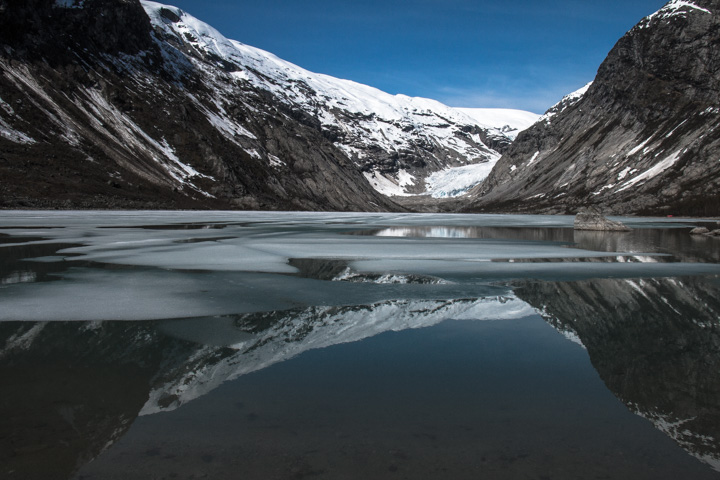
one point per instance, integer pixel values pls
(643, 138)
(100, 110)
(129, 104)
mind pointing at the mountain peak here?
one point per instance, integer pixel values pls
(138, 103)
(675, 8)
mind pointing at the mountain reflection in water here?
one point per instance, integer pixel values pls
(655, 344)
(388, 387)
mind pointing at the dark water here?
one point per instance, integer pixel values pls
(559, 367)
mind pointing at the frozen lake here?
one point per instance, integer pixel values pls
(253, 345)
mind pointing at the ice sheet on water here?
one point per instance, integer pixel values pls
(84, 223)
(180, 269)
(151, 294)
(555, 271)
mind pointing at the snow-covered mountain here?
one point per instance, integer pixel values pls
(294, 332)
(395, 140)
(642, 138)
(139, 104)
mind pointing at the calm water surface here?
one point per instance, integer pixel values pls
(291, 345)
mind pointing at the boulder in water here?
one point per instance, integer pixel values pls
(592, 219)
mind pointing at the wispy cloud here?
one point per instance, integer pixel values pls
(536, 100)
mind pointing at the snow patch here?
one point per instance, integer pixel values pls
(275, 162)
(386, 185)
(253, 153)
(654, 171)
(567, 101)
(7, 132)
(405, 179)
(625, 172)
(22, 79)
(674, 129)
(674, 8)
(532, 160)
(23, 341)
(637, 288)
(606, 187)
(130, 132)
(573, 337)
(638, 148)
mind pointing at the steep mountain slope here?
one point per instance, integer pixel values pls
(643, 138)
(139, 105)
(99, 110)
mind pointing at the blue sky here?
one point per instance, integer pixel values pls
(524, 54)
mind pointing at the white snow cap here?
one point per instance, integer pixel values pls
(510, 121)
(674, 8)
(567, 100)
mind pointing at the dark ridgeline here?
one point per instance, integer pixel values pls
(654, 107)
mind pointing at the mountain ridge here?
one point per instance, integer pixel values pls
(642, 139)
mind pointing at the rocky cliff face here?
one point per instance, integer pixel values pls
(643, 138)
(57, 28)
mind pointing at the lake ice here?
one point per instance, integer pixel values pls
(191, 264)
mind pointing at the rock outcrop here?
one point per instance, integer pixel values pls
(592, 219)
(643, 138)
